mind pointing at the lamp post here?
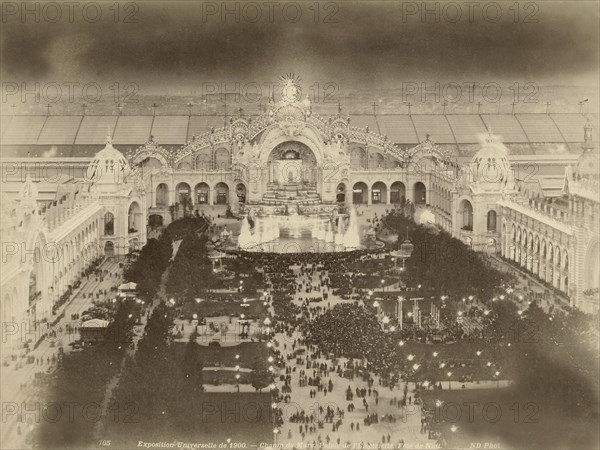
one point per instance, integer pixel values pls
(376, 306)
(449, 385)
(406, 249)
(497, 374)
(385, 320)
(275, 433)
(400, 312)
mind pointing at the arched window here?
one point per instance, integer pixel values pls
(133, 218)
(109, 224)
(491, 220)
(420, 193)
(162, 195)
(222, 159)
(466, 210)
(379, 161)
(358, 158)
(203, 162)
(109, 248)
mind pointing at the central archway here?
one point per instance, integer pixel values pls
(292, 162)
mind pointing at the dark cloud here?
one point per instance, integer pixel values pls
(370, 44)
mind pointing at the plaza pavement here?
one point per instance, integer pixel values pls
(408, 420)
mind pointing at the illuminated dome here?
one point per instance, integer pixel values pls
(490, 168)
(108, 166)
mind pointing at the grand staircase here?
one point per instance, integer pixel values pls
(291, 194)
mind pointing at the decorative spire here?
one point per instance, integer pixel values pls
(108, 140)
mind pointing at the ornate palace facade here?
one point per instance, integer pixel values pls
(290, 157)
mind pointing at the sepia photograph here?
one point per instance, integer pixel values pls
(300, 225)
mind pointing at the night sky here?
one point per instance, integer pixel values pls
(179, 45)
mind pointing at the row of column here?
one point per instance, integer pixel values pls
(172, 196)
(554, 270)
(75, 255)
(442, 199)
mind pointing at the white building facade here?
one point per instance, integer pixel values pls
(290, 157)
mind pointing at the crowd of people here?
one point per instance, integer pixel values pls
(303, 290)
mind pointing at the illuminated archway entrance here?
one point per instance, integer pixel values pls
(292, 162)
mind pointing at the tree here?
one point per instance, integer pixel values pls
(120, 330)
(147, 270)
(192, 364)
(190, 273)
(260, 378)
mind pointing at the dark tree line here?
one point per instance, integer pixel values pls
(444, 263)
(154, 258)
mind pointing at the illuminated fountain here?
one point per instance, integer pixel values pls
(314, 232)
(245, 239)
(270, 229)
(352, 237)
(300, 233)
(321, 232)
(329, 233)
(339, 235)
(257, 237)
